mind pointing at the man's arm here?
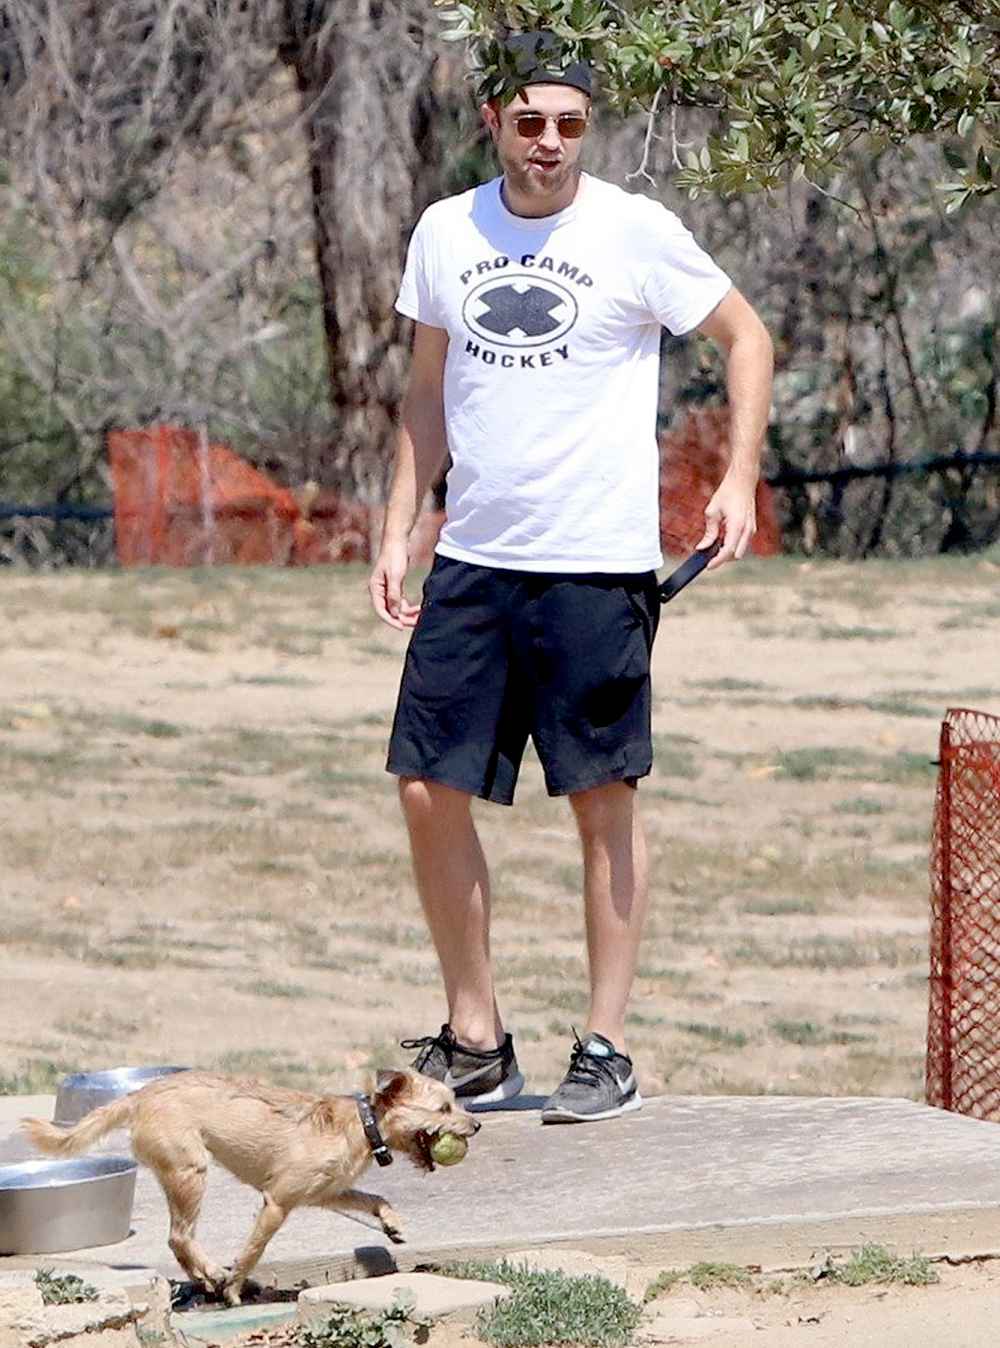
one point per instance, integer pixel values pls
(420, 451)
(735, 327)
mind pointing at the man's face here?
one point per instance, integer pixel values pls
(538, 166)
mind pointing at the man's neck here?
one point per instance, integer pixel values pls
(532, 208)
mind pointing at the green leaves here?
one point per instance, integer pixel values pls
(978, 180)
(796, 81)
(346, 1327)
(63, 1289)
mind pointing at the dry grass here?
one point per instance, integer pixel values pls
(203, 858)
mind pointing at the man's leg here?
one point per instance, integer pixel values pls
(601, 1082)
(616, 892)
(454, 888)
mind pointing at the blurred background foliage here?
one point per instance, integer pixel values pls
(204, 209)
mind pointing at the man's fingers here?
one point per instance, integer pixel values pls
(746, 538)
(724, 555)
(388, 617)
(393, 594)
(387, 599)
(376, 592)
(736, 541)
(408, 613)
(711, 532)
(398, 623)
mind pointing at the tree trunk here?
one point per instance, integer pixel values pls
(365, 80)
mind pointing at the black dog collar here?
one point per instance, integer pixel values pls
(376, 1141)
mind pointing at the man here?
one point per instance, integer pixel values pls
(539, 300)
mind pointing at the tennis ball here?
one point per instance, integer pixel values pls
(448, 1149)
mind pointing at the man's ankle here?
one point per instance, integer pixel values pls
(616, 1037)
(477, 1037)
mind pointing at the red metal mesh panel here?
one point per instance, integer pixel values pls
(694, 456)
(963, 1030)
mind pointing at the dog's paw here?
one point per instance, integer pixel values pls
(231, 1293)
(392, 1225)
(213, 1280)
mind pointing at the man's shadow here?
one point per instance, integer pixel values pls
(520, 1104)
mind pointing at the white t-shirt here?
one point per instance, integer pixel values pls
(552, 373)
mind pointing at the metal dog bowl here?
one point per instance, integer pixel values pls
(51, 1206)
(83, 1091)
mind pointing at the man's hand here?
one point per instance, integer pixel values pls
(732, 511)
(386, 586)
(420, 452)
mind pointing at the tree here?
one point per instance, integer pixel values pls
(205, 204)
(793, 83)
(135, 90)
(363, 69)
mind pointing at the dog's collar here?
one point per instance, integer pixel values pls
(376, 1141)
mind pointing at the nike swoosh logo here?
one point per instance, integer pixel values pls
(456, 1082)
(629, 1083)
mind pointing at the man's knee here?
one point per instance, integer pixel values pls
(603, 809)
(425, 802)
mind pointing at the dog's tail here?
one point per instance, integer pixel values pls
(56, 1141)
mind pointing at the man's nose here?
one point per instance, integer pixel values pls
(550, 137)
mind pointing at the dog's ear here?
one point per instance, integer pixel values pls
(389, 1086)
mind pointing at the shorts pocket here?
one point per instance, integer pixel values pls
(644, 601)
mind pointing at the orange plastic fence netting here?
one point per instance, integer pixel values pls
(963, 1029)
(694, 457)
(182, 501)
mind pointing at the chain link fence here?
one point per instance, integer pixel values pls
(946, 504)
(47, 537)
(963, 1030)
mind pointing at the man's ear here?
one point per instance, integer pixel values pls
(490, 112)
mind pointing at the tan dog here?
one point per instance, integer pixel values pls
(298, 1150)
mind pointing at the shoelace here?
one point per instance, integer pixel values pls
(444, 1039)
(589, 1072)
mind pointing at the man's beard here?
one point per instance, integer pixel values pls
(537, 184)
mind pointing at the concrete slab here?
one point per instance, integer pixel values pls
(764, 1180)
(434, 1297)
(13, 1108)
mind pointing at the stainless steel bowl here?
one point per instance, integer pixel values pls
(78, 1094)
(51, 1206)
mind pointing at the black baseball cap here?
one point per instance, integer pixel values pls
(538, 58)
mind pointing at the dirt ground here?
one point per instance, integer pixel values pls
(203, 862)
(774, 1310)
(791, 1311)
(961, 1310)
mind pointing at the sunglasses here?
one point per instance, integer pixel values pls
(570, 125)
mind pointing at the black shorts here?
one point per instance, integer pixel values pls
(499, 655)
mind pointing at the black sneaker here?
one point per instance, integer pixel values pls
(478, 1077)
(600, 1084)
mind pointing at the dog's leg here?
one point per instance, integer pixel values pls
(269, 1220)
(184, 1191)
(182, 1171)
(354, 1200)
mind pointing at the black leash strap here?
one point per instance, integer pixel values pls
(376, 1141)
(688, 569)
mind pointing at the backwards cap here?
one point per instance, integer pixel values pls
(535, 58)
